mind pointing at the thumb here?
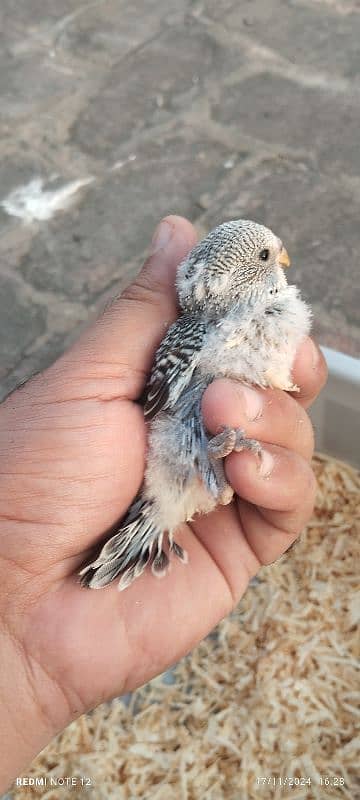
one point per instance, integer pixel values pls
(118, 350)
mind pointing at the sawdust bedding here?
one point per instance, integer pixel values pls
(272, 693)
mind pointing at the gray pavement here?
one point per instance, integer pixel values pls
(113, 114)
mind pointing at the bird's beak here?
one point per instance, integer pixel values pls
(284, 259)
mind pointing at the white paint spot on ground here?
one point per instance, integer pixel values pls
(32, 202)
(120, 164)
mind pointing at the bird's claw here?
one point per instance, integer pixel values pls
(243, 443)
(223, 443)
(230, 440)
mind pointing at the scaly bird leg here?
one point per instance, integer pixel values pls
(225, 492)
(230, 440)
(222, 444)
(243, 443)
(218, 447)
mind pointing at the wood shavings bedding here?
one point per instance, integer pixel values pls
(272, 693)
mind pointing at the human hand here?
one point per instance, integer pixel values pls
(72, 455)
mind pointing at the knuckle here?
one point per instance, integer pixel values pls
(297, 432)
(302, 432)
(307, 488)
(313, 487)
(302, 488)
(141, 292)
(316, 381)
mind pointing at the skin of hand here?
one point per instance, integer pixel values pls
(72, 455)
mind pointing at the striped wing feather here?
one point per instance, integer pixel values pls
(175, 362)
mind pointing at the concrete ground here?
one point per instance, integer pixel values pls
(113, 114)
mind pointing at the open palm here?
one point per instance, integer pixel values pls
(72, 455)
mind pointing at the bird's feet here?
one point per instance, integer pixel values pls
(217, 483)
(222, 444)
(229, 440)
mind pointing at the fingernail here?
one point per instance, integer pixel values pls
(161, 237)
(266, 464)
(253, 402)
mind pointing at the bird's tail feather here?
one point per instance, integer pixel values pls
(137, 542)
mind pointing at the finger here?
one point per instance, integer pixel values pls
(268, 534)
(230, 551)
(309, 372)
(281, 490)
(280, 481)
(283, 505)
(119, 348)
(269, 415)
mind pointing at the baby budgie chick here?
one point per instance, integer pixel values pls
(239, 319)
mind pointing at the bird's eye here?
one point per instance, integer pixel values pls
(264, 254)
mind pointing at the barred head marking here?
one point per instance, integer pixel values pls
(236, 261)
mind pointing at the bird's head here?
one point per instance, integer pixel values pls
(238, 261)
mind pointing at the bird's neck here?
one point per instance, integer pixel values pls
(257, 297)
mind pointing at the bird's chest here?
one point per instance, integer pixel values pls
(256, 347)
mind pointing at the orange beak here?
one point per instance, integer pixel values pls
(284, 259)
